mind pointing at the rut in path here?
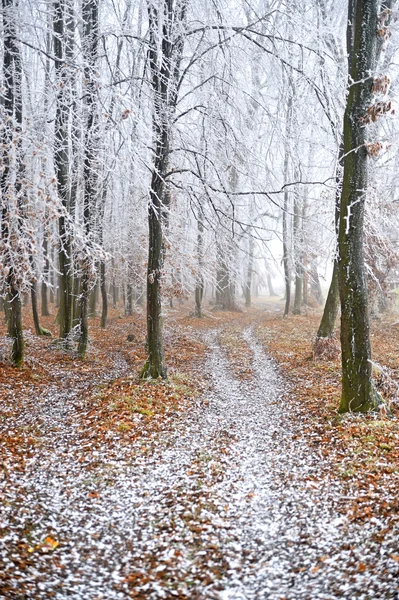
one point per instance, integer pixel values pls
(232, 504)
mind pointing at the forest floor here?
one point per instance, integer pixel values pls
(235, 479)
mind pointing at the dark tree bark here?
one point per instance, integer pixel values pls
(166, 41)
(104, 297)
(90, 52)
(61, 164)
(12, 106)
(358, 392)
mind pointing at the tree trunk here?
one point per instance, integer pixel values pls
(155, 365)
(93, 300)
(129, 300)
(298, 266)
(166, 42)
(358, 393)
(12, 102)
(52, 278)
(76, 300)
(104, 297)
(61, 164)
(35, 313)
(199, 284)
(326, 327)
(15, 328)
(90, 51)
(46, 270)
(286, 259)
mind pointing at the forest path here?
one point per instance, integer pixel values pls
(232, 503)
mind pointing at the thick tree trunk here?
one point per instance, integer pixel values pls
(15, 327)
(358, 393)
(90, 50)
(155, 365)
(61, 160)
(12, 102)
(166, 44)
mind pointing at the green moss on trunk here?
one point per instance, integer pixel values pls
(358, 394)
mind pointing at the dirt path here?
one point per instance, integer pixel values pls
(230, 503)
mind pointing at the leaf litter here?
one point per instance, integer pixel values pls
(121, 489)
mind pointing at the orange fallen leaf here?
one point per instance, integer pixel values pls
(49, 543)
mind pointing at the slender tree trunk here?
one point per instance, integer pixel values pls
(46, 270)
(35, 312)
(38, 328)
(104, 297)
(286, 259)
(52, 278)
(76, 300)
(129, 300)
(199, 284)
(297, 309)
(114, 286)
(358, 393)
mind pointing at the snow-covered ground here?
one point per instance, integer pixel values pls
(230, 502)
